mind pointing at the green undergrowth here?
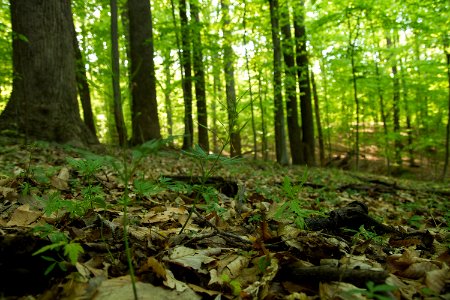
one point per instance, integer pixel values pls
(144, 173)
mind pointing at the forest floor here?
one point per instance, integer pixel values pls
(195, 226)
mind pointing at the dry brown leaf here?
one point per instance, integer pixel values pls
(23, 216)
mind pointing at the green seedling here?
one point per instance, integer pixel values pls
(374, 291)
(208, 164)
(144, 188)
(234, 284)
(292, 209)
(416, 221)
(59, 241)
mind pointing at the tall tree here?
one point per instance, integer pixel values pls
(144, 109)
(199, 78)
(280, 132)
(290, 80)
(43, 102)
(304, 84)
(118, 114)
(447, 133)
(353, 33)
(228, 61)
(188, 138)
(396, 104)
(250, 90)
(83, 86)
(318, 121)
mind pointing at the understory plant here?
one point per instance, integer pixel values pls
(208, 164)
(293, 207)
(58, 241)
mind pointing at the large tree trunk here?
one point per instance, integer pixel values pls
(188, 138)
(280, 132)
(144, 108)
(290, 77)
(199, 79)
(304, 86)
(118, 113)
(228, 60)
(43, 103)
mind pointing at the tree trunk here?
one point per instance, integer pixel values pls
(199, 79)
(280, 133)
(250, 91)
(188, 138)
(304, 85)
(396, 107)
(144, 108)
(228, 59)
(447, 136)
(318, 121)
(43, 103)
(118, 114)
(264, 146)
(83, 86)
(293, 126)
(167, 93)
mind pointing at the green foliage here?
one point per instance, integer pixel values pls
(416, 221)
(292, 208)
(374, 291)
(59, 241)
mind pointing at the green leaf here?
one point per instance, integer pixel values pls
(49, 247)
(73, 251)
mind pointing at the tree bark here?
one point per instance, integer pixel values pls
(304, 85)
(290, 78)
(144, 108)
(396, 106)
(118, 113)
(188, 138)
(199, 79)
(318, 121)
(43, 103)
(280, 133)
(83, 86)
(228, 60)
(447, 135)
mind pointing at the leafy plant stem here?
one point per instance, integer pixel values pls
(127, 176)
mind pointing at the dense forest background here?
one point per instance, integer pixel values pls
(293, 81)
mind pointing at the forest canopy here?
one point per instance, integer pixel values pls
(273, 78)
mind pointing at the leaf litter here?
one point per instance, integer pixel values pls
(251, 230)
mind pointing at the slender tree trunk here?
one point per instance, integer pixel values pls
(304, 84)
(383, 117)
(83, 86)
(144, 108)
(43, 104)
(318, 121)
(217, 94)
(280, 133)
(188, 138)
(118, 114)
(290, 79)
(409, 128)
(396, 107)
(447, 136)
(327, 109)
(250, 91)
(199, 79)
(264, 143)
(168, 92)
(228, 58)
